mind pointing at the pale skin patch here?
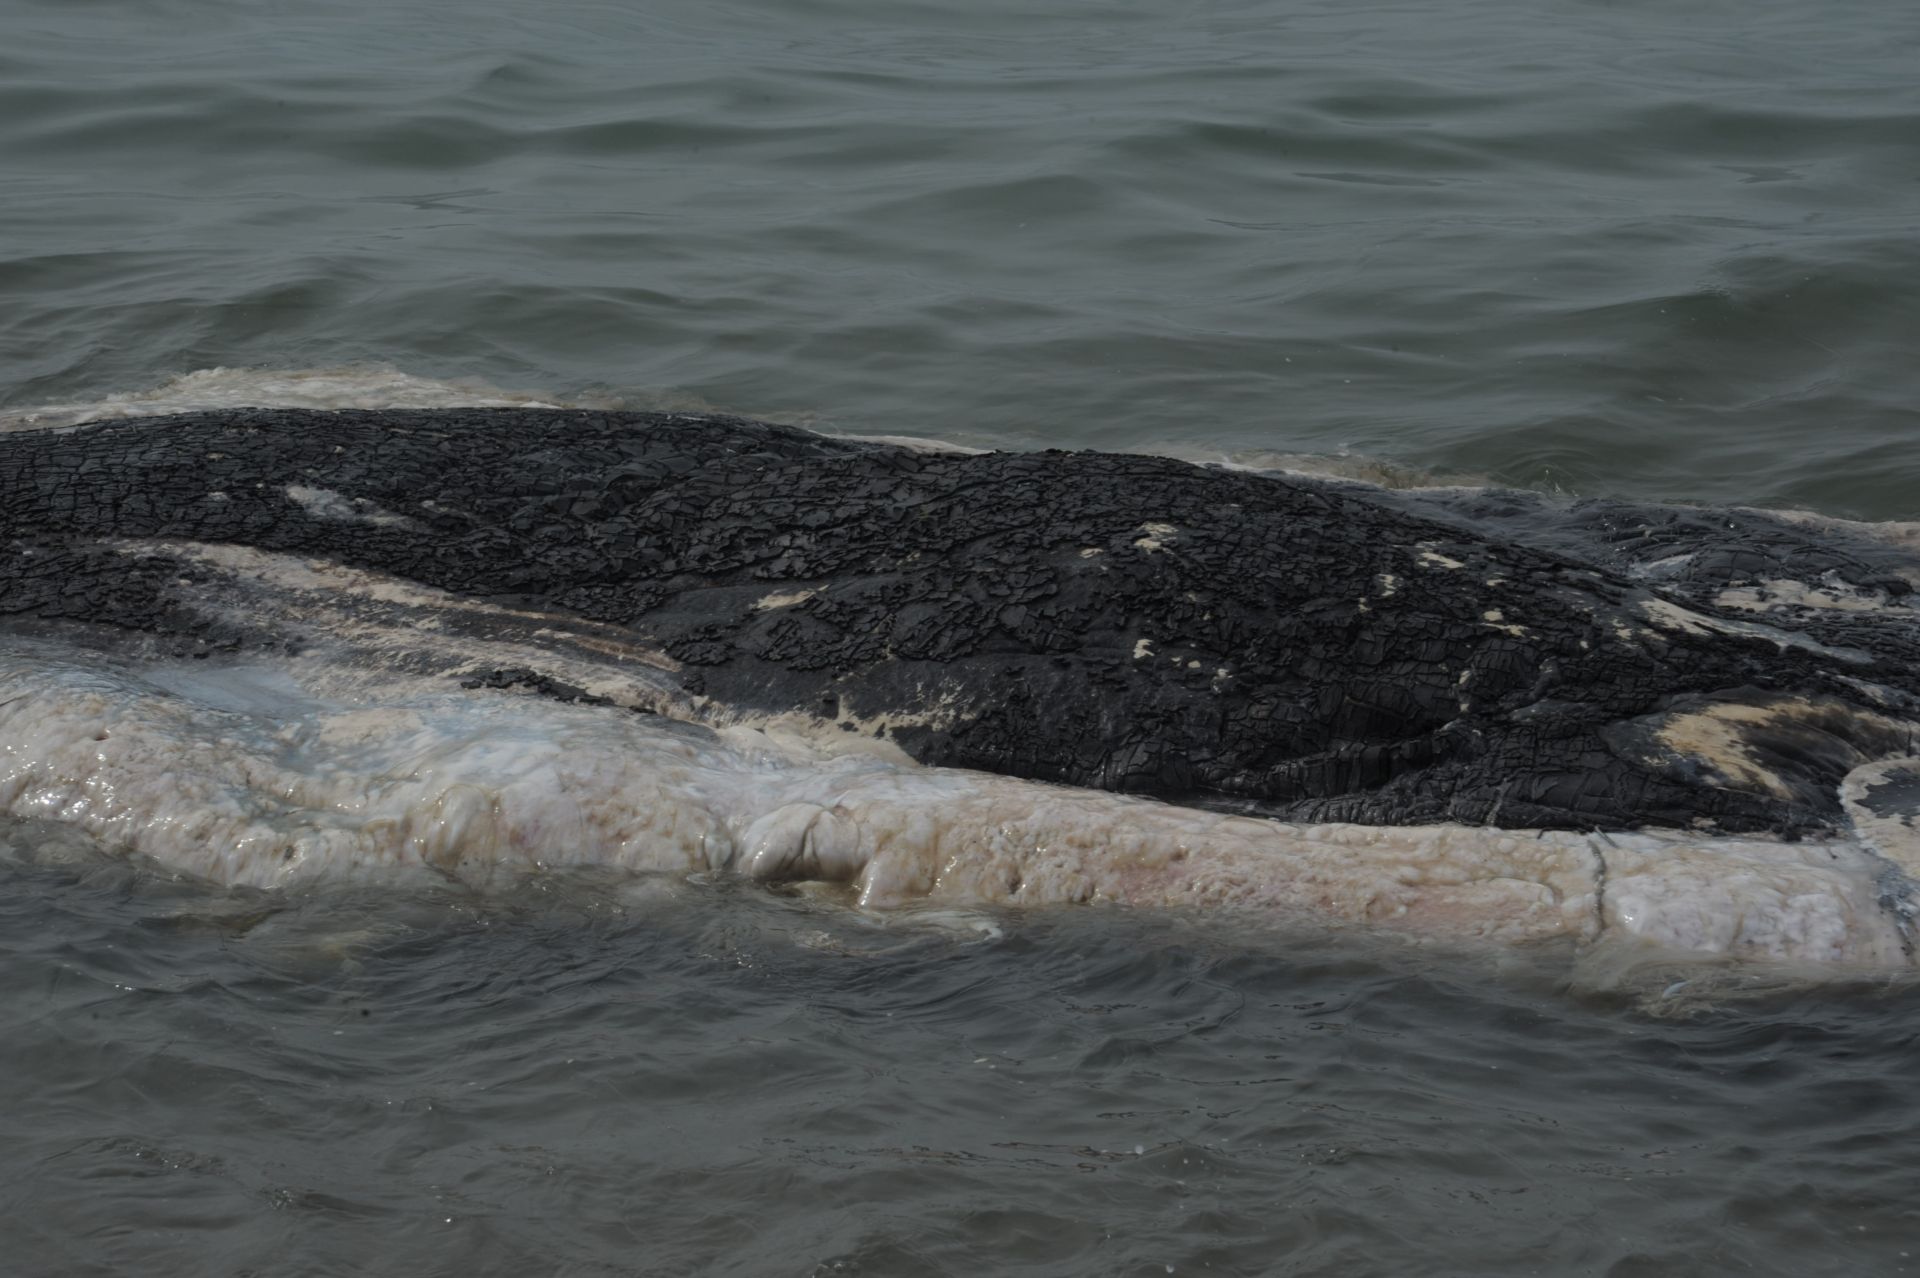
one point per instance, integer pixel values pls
(1670, 616)
(324, 503)
(329, 602)
(1494, 619)
(1155, 536)
(1777, 592)
(1723, 745)
(784, 599)
(1429, 558)
(1716, 738)
(918, 443)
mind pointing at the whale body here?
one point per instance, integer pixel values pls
(1281, 659)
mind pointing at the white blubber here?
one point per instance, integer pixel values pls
(268, 774)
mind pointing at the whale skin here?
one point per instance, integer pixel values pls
(1269, 644)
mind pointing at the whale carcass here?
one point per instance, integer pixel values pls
(1387, 684)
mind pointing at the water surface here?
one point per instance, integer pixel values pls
(662, 1077)
(1626, 247)
(1654, 250)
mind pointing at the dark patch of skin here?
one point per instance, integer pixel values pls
(1897, 797)
(527, 679)
(1292, 648)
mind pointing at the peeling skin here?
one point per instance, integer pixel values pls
(1777, 592)
(784, 599)
(812, 617)
(1156, 536)
(1497, 620)
(1671, 616)
(385, 621)
(1718, 739)
(262, 774)
(918, 443)
(331, 505)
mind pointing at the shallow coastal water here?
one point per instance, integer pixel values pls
(1598, 247)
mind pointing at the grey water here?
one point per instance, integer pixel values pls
(677, 1078)
(1662, 250)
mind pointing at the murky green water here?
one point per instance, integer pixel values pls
(1654, 249)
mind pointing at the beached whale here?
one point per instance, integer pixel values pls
(1243, 645)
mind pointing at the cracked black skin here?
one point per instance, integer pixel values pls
(1293, 647)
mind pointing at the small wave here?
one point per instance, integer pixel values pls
(347, 386)
(1377, 472)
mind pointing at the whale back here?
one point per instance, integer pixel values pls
(1264, 643)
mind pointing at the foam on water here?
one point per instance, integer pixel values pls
(355, 386)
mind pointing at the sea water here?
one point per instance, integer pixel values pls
(1666, 252)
